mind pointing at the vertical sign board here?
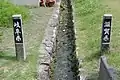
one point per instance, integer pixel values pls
(106, 31)
(18, 37)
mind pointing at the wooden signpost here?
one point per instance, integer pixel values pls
(106, 32)
(18, 37)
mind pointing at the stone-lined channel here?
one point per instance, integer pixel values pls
(65, 62)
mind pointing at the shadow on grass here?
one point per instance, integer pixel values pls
(7, 57)
(118, 75)
(93, 56)
(93, 76)
(96, 55)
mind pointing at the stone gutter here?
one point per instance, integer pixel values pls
(46, 48)
(66, 62)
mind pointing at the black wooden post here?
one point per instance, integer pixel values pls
(18, 37)
(106, 32)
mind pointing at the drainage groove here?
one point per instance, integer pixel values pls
(65, 62)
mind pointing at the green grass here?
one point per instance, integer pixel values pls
(8, 9)
(88, 22)
(15, 70)
(11, 69)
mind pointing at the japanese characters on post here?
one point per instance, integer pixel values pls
(106, 31)
(18, 37)
(17, 25)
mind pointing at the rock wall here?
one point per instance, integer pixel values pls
(47, 47)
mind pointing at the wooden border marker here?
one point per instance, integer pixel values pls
(106, 32)
(18, 37)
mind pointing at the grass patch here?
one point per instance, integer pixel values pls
(14, 70)
(11, 69)
(88, 22)
(8, 9)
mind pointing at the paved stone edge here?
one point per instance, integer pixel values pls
(47, 46)
(66, 62)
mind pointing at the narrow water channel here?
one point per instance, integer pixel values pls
(66, 63)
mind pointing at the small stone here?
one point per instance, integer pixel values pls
(64, 30)
(73, 21)
(48, 49)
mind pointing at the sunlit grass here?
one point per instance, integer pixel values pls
(88, 23)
